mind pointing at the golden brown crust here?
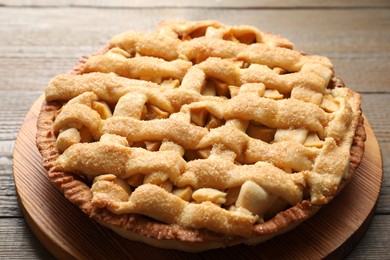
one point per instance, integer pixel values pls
(77, 189)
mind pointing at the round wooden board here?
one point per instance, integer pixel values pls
(67, 233)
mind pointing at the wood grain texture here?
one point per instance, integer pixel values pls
(332, 232)
(355, 40)
(370, 245)
(200, 3)
(16, 234)
(8, 202)
(41, 38)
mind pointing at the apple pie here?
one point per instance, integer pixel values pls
(200, 135)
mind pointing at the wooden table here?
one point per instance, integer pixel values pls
(39, 39)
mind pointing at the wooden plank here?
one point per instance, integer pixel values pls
(200, 3)
(37, 71)
(44, 44)
(37, 43)
(364, 74)
(377, 239)
(368, 31)
(383, 206)
(18, 242)
(13, 108)
(376, 108)
(8, 203)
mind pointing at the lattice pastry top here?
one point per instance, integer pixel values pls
(200, 126)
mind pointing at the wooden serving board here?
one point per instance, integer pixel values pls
(67, 233)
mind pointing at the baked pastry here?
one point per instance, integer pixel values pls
(200, 135)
